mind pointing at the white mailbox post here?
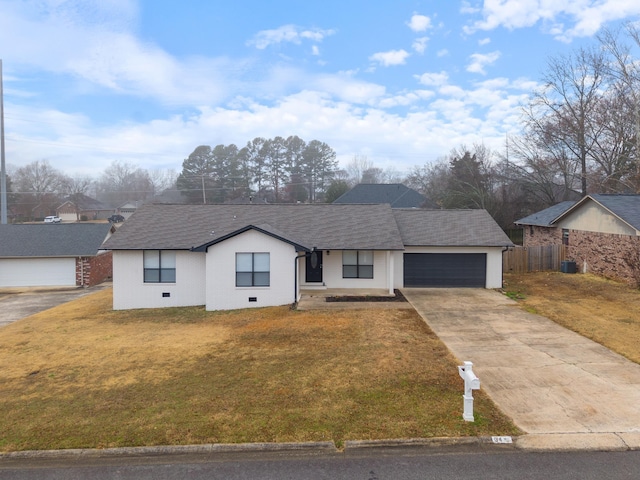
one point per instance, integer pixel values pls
(471, 382)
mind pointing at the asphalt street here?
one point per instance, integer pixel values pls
(478, 463)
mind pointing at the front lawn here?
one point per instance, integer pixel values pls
(83, 376)
(602, 310)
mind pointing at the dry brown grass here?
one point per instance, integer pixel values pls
(605, 311)
(82, 375)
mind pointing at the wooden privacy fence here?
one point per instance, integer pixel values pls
(533, 259)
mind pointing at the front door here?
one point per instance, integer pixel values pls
(314, 267)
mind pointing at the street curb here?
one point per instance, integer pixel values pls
(417, 442)
(565, 442)
(173, 449)
(349, 445)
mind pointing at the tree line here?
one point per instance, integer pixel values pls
(273, 170)
(38, 188)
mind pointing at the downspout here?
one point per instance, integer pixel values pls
(295, 277)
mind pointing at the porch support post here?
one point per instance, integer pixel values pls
(390, 271)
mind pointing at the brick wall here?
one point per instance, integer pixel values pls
(94, 270)
(602, 254)
(605, 254)
(538, 236)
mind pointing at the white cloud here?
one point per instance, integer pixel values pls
(467, 8)
(585, 17)
(289, 34)
(484, 41)
(419, 23)
(480, 60)
(106, 55)
(399, 100)
(390, 58)
(420, 44)
(442, 53)
(434, 79)
(347, 114)
(346, 89)
(453, 91)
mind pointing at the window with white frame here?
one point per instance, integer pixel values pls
(357, 264)
(252, 270)
(159, 266)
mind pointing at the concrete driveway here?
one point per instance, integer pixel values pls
(552, 382)
(18, 303)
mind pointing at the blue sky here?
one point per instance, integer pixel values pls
(87, 82)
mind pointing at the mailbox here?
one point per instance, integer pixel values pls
(471, 383)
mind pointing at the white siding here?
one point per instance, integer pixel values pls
(332, 271)
(38, 272)
(130, 291)
(222, 293)
(494, 262)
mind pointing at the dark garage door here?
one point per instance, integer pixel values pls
(445, 269)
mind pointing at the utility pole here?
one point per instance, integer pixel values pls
(637, 144)
(3, 171)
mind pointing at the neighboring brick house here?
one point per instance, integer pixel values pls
(79, 207)
(601, 234)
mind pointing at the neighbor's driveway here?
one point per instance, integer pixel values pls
(545, 377)
(19, 303)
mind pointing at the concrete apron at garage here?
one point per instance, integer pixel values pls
(548, 379)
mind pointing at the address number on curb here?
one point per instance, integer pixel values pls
(501, 440)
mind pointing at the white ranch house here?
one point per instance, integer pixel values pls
(238, 256)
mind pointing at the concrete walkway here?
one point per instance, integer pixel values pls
(561, 388)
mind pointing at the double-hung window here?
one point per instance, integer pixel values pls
(159, 266)
(252, 270)
(357, 264)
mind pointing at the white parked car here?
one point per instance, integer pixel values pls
(52, 219)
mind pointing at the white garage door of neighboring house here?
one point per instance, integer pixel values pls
(37, 272)
(445, 270)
